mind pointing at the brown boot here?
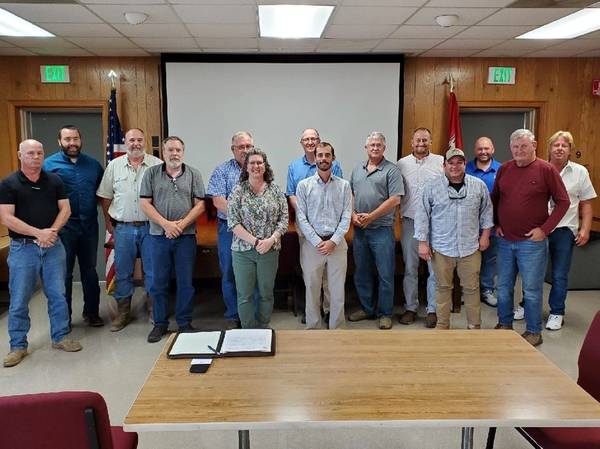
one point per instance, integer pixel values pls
(123, 317)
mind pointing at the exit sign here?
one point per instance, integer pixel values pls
(54, 73)
(501, 75)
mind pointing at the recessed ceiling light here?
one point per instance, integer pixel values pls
(576, 24)
(11, 25)
(293, 21)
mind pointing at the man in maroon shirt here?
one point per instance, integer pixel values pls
(521, 193)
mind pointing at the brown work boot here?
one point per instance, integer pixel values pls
(123, 316)
(532, 339)
(360, 315)
(431, 320)
(408, 317)
(507, 327)
(14, 357)
(67, 345)
(385, 322)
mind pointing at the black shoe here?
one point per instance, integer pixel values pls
(156, 334)
(187, 328)
(303, 320)
(326, 319)
(94, 321)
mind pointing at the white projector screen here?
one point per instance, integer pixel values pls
(208, 102)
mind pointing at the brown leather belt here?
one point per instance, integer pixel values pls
(137, 224)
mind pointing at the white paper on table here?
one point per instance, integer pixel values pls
(247, 340)
(195, 343)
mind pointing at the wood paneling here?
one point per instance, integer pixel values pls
(559, 88)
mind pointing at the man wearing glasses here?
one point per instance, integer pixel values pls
(222, 181)
(452, 225)
(172, 196)
(302, 168)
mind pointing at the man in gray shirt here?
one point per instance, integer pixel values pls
(452, 224)
(172, 197)
(377, 187)
(323, 211)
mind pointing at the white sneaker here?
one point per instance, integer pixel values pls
(489, 297)
(554, 322)
(519, 313)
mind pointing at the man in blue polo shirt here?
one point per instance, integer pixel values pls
(485, 167)
(302, 168)
(81, 175)
(222, 181)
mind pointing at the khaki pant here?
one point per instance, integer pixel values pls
(467, 269)
(326, 299)
(313, 267)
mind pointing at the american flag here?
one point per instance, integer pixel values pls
(454, 131)
(114, 148)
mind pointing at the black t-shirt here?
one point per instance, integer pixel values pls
(36, 203)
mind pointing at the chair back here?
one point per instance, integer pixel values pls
(589, 360)
(65, 420)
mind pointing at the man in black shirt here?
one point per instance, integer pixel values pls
(34, 206)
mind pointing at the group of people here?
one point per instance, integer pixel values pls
(480, 218)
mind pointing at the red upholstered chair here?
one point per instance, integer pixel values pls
(65, 420)
(589, 380)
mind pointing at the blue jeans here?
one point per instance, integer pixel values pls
(83, 244)
(374, 254)
(227, 278)
(529, 259)
(560, 244)
(488, 267)
(168, 254)
(131, 242)
(27, 261)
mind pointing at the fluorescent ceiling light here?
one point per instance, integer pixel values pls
(11, 25)
(576, 24)
(293, 21)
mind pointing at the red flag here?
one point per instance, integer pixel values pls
(454, 131)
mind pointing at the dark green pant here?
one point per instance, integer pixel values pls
(251, 269)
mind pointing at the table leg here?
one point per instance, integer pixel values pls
(244, 437)
(467, 438)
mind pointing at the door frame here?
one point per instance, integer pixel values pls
(16, 107)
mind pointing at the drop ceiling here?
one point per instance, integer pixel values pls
(486, 28)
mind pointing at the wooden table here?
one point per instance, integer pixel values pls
(365, 378)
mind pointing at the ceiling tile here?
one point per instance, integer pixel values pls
(345, 45)
(230, 50)
(5, 44)
(153, 30)
(129, 2)
(59, 51)
(594, 35)
(501, 53)
(40, 42)
(526, 16)
(465, 44)
(493, 32)
(578, 44)
(15, 51)
(445, 53)
(42, 13)
(528, 44)
(469, 3)
(295, 2)
(551, 53)
(102, 42)
(81, 29)
(432, 31)
(407, 44)
(590, 54)
(359, 31)
(204, 42)
(384, 2)
(223, 30)
(351, 15)
(171, 43)
(213, 2)
(116, 13)
(466, 16)
(216, 14)
(120, 52)
(279, 45)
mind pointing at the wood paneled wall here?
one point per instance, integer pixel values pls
(560, 88)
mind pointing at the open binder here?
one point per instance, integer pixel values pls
(230, 343)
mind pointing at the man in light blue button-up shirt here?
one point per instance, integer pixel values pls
(452, 224)
(324, 208)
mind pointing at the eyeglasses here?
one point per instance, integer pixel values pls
(244, 147)
(174, 184)
(454, 195)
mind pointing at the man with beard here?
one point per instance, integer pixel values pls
(222, 181)
(485, 167)
(324, 208)
(172, 197)
(125, 220)
(81, 175)
(302, 168)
